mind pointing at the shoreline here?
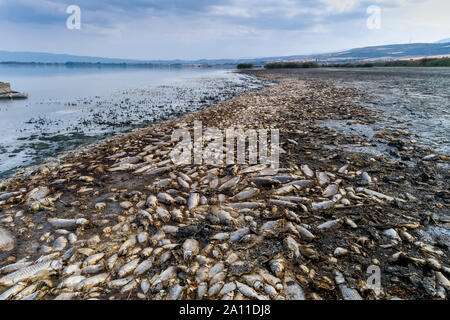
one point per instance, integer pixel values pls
(101, 190)
(65, 123)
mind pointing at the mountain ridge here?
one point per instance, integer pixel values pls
(369, 53)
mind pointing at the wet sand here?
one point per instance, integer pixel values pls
(316, 244)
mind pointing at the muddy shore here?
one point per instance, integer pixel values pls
(117, 220)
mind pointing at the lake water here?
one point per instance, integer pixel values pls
(69, 106)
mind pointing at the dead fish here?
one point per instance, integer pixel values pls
(193, 200)
(184, 176)
(284, 190)
(165, 198)
(218, 267)
(62, 223)
(340, 252)
(273, 228)
(111, 261)
(271, 291)
(322, 205)
(225, 218)
(270, 279)
(286, 178)
(151, 201)
(176, 215)
(12, 291)
(128, 268)
(71, 282)
(443, 281)
(145, 286)
(283, 203)
(143, 267)
(33, 288)
(246, 205)
(330, 190)
(7, 240)
(343, 169)
(277, 266)
(96, 268)
(60, 243)
(227, 288)
(349, 293)
(238, 234)
(163, 214)
(190, 248)
(221, 236)
(379, 195)
(183, 184)
(247, 291)
(307, 171)
(329, 224)
(6, 196)
(292, 246)
(162, 183)
(131, 242)
(254, 280)
(71, 269)
(265, 181)
(245, 194)
(254, 168)
(292, 198)
(300, 183)
(322, 178)
(92, 281)
(14, 267)
(391, 233)
(67, 296)
(119, 283)
(293, 291)
(157, 171)
(37, 194)
(165, 276)
(91, 260)
(175, 293)
(202, 290)
(230, 183)
(305, 232)
(366, 179)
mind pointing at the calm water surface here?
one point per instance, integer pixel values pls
(69, 106)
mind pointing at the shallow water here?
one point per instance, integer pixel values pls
(412, 99)
(69, 106)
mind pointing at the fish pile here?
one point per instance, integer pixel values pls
(119, 220)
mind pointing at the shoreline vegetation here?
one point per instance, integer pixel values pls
(245, 66)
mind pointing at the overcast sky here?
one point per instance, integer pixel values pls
(193, 29)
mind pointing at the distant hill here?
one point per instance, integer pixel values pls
(43, 57)
(443, 41)
(374, 53)
(387, 52)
